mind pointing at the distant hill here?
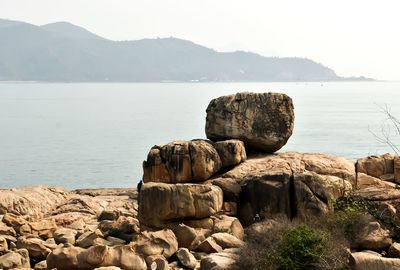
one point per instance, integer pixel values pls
(65, 52)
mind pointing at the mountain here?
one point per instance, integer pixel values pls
(65, 52)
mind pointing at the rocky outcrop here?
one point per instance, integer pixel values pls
(161, 203)
(32, 202)
(263, 121)
(377, 166)
(293, 184)
(190, 161)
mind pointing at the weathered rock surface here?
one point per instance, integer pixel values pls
(209, 245)
(161, 242)
(263, 121)
(219, 261)
(268, 183)
(65, 235)
(370, 261)
(232, 225)
(370, 234)
(231, 152)
(186, 258)
(376, 166)
(161, 203)
(365, 180)
(226, 240)
(33, 202)
(181, 162)
(15, 259)
(394, 250)
(36, 247)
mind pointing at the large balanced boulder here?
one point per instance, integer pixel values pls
(161, 203)
(263, 121)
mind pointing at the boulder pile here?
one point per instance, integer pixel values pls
(196, 198)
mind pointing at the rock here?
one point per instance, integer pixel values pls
(9, 238)
(368, 261)
(263, 121)
(161, 242)
(6, 230)
(376, 166)
(230, 187)
(109, 215)
(25, 230)
(185, 235)
(365, 180)
(226, 240)
(65, 235)
(15, 259)
(314, 192)
(41, 265)
(86, 239)
(43, 228)
(396, 169)
(389, 177)
(370, 234)
(115, 241)
(36, 247)
(34, 202)
(231, 152)
(219, 261)
(209, 245)
(107, 268)
(186, 258)
(3, 245)
(161, 203)
(228, 224)
(82, 204)
(181, 162)
(394, 250)
(13, 220)
(157, 262)
(123, 225)
(64, 257)
(121, 256)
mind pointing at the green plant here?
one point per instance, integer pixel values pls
(302, 246)
(220, 230)
(114, 232)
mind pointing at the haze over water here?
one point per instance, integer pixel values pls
(97, 135)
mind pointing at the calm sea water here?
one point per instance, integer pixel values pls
(97, 135)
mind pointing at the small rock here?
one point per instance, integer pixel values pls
(36, 247)
(3, 244)
(115, 241)
(186, 258)
(6, 230)
(65, 235)
(209, 246)
(25, 230)
(369, 261)
(185, 235)
(161, 242)
(86, 239)
(231, 152)
(13, 220)
(219, 261)
(230, 225)
(15, 259)
(157, 262)
(394, 250)
(44, 228)
(226, 240)
(370, 234)
(41, 265)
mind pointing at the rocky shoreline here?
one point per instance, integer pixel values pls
(201, 200)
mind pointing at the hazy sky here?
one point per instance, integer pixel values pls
(353, 37)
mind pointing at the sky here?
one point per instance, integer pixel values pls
(353, 37)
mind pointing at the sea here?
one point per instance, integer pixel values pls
(96, 135)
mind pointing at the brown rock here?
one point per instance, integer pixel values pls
(65, 235)
(226, 240)
(161, 242)
(13, 220)
(186, 258)
(86, 239)
(231, 152)
(44, 228)
(181, 162)
(370, 234)
(394, 250)
(185, 235)
(34, 202)
(15, 259)
(263, 121)
(41, 265)
(209, 246)
(369, 261)
(3, 244)
(228, 224)
(376, 166)
(161, 203)
(396, 168)
(157, 262)
(64, 258)
(219, 261)
(6, 230)
(365, 180)
(36, 247)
